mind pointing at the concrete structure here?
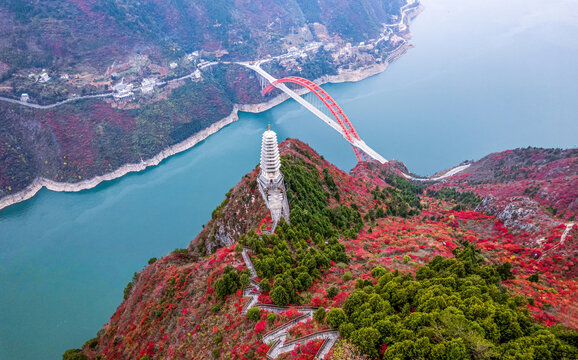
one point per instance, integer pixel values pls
(44, 77)
(148, 85)
(122, 91)
(270, 180)
(25, 97)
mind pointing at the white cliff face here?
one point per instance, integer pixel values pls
(270, 179)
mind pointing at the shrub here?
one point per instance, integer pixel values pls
(260, 326)
(152, 260)
(534, 277)
(265, 285)
(366, 339)
(129, 286)
(271, 317)
(254, 314)
(245, 281)
(378, 271)
(228, 283)
(279, 296)
(504, 270)
(347, 276)
(346, 329)
(305, 281)
(92, 343)
(319, 315)
(73, 354)
(335, 317)
(182, 253)
(332, 292)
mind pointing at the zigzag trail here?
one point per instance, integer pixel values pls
(278, 337)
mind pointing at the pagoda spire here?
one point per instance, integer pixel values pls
(270, 180)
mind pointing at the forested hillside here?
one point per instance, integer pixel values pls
(81, 34)
(399, 270)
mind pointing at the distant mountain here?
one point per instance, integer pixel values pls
(405, 268)
(80, 34)
(171, 68)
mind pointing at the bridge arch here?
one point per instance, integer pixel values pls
(336, 110)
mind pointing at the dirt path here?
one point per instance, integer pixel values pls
(569, 227)
(566, 232)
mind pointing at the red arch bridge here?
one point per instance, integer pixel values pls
(320, 103)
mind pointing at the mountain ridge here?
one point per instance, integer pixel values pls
(191, 302)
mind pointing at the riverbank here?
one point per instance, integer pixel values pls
(343, 76)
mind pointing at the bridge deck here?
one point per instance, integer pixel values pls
(329, 121)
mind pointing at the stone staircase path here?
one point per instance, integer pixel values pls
(277, 338)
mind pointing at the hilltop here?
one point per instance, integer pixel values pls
(91, 90)
(408, 270)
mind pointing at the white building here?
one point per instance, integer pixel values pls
(173, 65)
(44, 78)
(148, 85)
(24, 97)
(122, 91)
(271, 181)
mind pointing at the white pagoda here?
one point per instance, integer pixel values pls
(270, 180)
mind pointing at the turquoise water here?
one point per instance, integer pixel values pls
(484, 77)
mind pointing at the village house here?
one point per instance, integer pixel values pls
(24, 97)
(148, 85)
(44, 77)
(122, 91)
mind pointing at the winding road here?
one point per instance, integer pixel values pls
(44, 107)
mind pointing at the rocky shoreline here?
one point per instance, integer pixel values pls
(343, 76)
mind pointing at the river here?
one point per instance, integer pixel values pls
(485, 76)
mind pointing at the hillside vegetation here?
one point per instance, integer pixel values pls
(432, 281)
(95, 33)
